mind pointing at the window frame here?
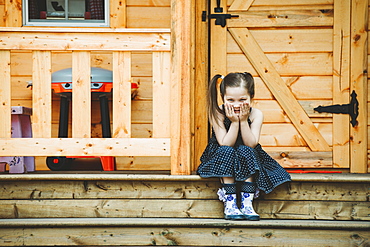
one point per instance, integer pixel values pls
(65, 23)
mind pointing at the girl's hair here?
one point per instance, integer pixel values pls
(231, 80)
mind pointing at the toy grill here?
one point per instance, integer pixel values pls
(101, 80)
(101, 83)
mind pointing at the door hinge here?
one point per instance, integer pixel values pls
(351, 109)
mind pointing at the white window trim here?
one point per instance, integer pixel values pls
(65, 23)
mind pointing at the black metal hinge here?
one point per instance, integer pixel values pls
(220, 18)
(351, 109)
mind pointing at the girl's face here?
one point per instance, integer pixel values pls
(236, 96)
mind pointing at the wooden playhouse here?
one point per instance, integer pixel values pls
(303, 54)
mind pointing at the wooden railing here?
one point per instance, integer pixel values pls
(79, 41)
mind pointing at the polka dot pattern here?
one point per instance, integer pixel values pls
(241, 162)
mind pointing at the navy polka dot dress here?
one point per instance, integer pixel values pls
(241, 162)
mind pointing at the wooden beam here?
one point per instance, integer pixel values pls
(283, 18)
(218, 48)
(359, 36)
(5, 95)
(86, 40)
(180, 88)
(161, 94)
(218, 44)
(279, 89)
(121, 94)
(201, 81)
(85, 147)
(41, 94)
(341, 81)
(240, 5)
(81, 94)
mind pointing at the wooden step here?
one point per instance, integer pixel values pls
(307, 197)
(181, 232)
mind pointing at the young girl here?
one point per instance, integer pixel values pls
(233, 153)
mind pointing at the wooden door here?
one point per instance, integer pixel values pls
(299, 55)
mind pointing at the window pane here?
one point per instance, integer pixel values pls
(66, 12)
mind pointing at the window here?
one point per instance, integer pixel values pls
(89, 13)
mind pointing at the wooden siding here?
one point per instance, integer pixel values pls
(307, 41)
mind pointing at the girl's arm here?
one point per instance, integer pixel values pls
(251, 133)
(224, 137)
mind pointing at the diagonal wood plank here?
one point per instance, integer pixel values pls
(240, 5)
(278, 88)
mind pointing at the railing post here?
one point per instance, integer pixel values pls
(180, 88)
(5, 94)
(121, 94)
(41, 94)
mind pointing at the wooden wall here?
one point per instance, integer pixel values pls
(158, 15)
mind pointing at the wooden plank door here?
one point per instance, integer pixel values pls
(299, 55)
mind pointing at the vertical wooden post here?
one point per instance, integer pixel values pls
(341, 81)
(218, 52)
(359, 58)
(81, 94)
(161, 90)
(218, 44)
(118, 14)
(201, 82)
(13, 13)
(180, 88)
(5, 93)
(121, 94)
(41, 94)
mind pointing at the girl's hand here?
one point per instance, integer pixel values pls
(230, 113)
(245, 110)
